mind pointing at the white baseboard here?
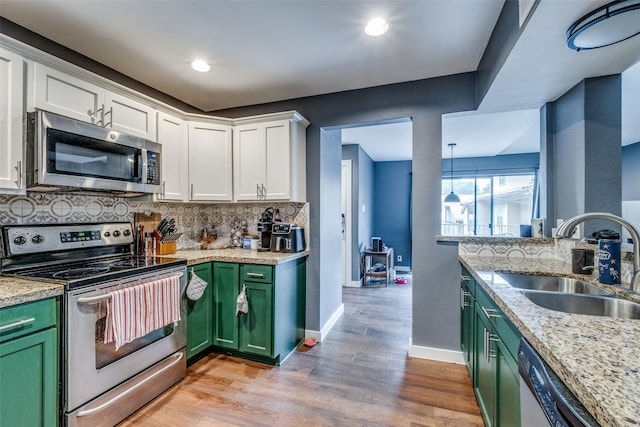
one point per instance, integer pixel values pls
(353, 284)
(403, 268)
(438, 354)
(319, 335)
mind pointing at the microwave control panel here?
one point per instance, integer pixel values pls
(153, 168)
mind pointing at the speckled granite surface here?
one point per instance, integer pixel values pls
(14, 291)
(236, 255)
(598, 358)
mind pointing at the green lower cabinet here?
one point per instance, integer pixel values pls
(29, 370)
(256, 327)
(200, 314)
(492, 347)
(508, 401)
(467, 321)
(226, 288)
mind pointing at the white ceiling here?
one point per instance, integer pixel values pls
(265, 50)
(270, 50)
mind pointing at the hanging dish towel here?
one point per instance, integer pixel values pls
(135, 311)
(196, 287)
(242, 304)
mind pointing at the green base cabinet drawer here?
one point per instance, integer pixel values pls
(27, 318)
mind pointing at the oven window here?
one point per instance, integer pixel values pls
(106, 353)
(70, 154)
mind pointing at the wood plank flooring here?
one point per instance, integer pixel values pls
(360, 375)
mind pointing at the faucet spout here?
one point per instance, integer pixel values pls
(567, 228)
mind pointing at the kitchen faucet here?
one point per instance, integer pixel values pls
(567, 228)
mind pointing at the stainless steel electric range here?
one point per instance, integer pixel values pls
(101, 385)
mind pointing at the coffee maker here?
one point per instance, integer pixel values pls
(287, 238)
(265, 228)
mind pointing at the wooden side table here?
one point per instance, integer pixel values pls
(371, 258)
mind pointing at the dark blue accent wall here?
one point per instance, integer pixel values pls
(392, 217)
(631, 172)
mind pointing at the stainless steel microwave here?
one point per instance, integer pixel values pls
(64, 154)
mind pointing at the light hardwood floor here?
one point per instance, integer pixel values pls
(360, 375)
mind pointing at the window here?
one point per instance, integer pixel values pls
(489, 206)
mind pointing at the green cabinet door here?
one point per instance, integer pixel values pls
(484, 383)
(508, 392)
(256, 328)
(200, 314)
(225, 293)
(467, 315)
(29, 380)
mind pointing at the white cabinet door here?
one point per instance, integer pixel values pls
(249, 162)
(172, 135)
(210, 162)
(68, 96)
(277, 159)
(129, 116)
(11, 118)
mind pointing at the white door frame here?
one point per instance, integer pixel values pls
(346, 199)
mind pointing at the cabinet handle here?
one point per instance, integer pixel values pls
(19, 172)
(463, 301)
(264, 192)
(491, 354)
(163, 189)
(490, 312)
(257, 191)
(110, 113)
(99, 121)
(465, 278)
(16, 324)
(259, 275)
(191, 192)
(485, 343)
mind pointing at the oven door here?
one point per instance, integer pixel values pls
(93, 367)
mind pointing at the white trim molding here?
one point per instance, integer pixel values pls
(438, 354)
(319, 335)
(354, 284)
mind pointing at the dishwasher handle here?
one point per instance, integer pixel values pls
(560, 406)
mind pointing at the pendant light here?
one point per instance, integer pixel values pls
(452, 197)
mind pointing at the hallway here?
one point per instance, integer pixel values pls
(359, 375)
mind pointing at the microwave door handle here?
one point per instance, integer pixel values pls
(144, 164)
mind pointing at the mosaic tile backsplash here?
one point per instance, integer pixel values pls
(191, 218)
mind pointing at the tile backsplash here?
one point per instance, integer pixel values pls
(191, 218)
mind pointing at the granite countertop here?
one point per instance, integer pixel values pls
(596, 357)
(14, 290)
(197, 256)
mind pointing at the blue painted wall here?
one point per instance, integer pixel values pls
(392, 207)
(631, 172)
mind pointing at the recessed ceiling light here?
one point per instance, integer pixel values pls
(377, 27)
(200, 65)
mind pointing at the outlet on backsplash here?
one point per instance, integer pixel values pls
(191, 218)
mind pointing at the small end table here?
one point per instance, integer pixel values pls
(369, 259)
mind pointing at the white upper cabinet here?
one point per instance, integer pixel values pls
(210, 176)
(72, 97)
(12, 178)
(172, 135)
(269, 161)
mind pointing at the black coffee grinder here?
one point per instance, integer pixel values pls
(265, 228)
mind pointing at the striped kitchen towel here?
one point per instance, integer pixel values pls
(135, 311)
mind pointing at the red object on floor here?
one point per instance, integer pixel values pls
(310, 342)
(401, 281)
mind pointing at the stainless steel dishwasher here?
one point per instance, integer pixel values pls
(544, 399)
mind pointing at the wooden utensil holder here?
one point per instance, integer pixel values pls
(165, 248)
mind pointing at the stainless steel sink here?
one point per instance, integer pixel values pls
(552, 284)
(585, 304)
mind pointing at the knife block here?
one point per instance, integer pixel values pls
(163, 248)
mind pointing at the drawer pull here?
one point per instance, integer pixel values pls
(16, 324)
(260, 275)
(490, 312)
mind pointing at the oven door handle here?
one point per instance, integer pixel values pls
(98, 298)
(177, 356)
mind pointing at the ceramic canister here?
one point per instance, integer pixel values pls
(609, 261)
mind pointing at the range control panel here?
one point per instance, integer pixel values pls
(28, 239)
